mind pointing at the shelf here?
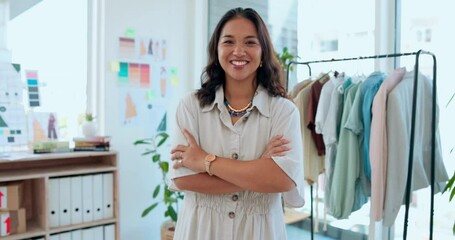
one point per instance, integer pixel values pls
(50, 156)
(82, 225)
(36, 172)
(57, 164)
(54, 171)
(33, 230)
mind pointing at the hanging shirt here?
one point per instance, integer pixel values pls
(299, 86)
(245, 214)
(312, 107)
(346, 196)
(329, 134)
(378, 143)
(324, 103)
(369, 89)
(313, 163)
(355, 124)
(399, 113)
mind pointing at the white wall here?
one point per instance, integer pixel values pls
(175, 21)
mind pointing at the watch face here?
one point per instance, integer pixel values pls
(210, 158)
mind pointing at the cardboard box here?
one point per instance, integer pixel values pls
(11, 196)
(12, 222)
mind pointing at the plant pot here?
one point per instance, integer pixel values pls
(89, 129)
(167, 230)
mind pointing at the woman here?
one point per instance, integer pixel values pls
(240, 143)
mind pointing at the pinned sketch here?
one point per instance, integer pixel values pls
(13, 125)
(32, 87)
(163, 50)
(145, 75)
(162, 127)
(127, 47)
(175, 81)
(43, 126)
(130, 108)
(133, 74)
(163, 80)
(150, 47)
(10, 84)
(13, 122)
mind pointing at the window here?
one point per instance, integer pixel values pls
(279, 16)
(50, 37)
(427, 25)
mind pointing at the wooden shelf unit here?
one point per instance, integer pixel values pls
(35, 172)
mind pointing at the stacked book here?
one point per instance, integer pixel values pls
(51, 147)
(97, 143)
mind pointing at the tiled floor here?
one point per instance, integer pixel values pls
(297, 233)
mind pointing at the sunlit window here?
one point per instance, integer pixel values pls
(49, 39)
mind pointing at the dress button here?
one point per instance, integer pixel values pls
(235, 197)
(235, 156)
(231, 215)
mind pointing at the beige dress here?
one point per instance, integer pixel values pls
(242, 215)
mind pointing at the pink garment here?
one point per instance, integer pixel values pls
(378, 143)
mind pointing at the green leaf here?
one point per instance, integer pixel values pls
(156, 191)
(156, 157)
(452, 194)
(147, 210)
(171, 200)
(164, 166)
(164, 137)
(148, 152)
(450, 100)
(143, 141)
(172, 213)
(167, 192)
(449, 184)
(166, 214)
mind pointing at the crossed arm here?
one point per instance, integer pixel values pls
(259, 175)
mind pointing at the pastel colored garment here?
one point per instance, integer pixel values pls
(346, 194)
(399, 111)
(378, 143)
(245, 214)
(370, 87)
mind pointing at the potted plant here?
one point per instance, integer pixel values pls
(161, 192)
(89, 128)
(285, 57)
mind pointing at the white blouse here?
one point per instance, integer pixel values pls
(245, 214)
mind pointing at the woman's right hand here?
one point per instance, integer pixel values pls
(277, 146)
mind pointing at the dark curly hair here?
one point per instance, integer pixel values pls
(269, 75)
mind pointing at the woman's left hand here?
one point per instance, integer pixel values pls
(190, 156)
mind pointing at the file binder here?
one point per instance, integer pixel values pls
(109, 232)
(108, 195)
(87, 198)
(64, 202)
(76, 200)
(54, 202)
(97, 197)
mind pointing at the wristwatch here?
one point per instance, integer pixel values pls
(208, 160)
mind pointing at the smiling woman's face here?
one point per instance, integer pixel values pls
(239, 50)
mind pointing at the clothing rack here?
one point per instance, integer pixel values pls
(413, 117)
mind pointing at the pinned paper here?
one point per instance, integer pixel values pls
(151, 95)
(175, 81)
(130, 33)
(115, 66)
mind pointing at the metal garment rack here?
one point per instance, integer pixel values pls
(413, 117)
